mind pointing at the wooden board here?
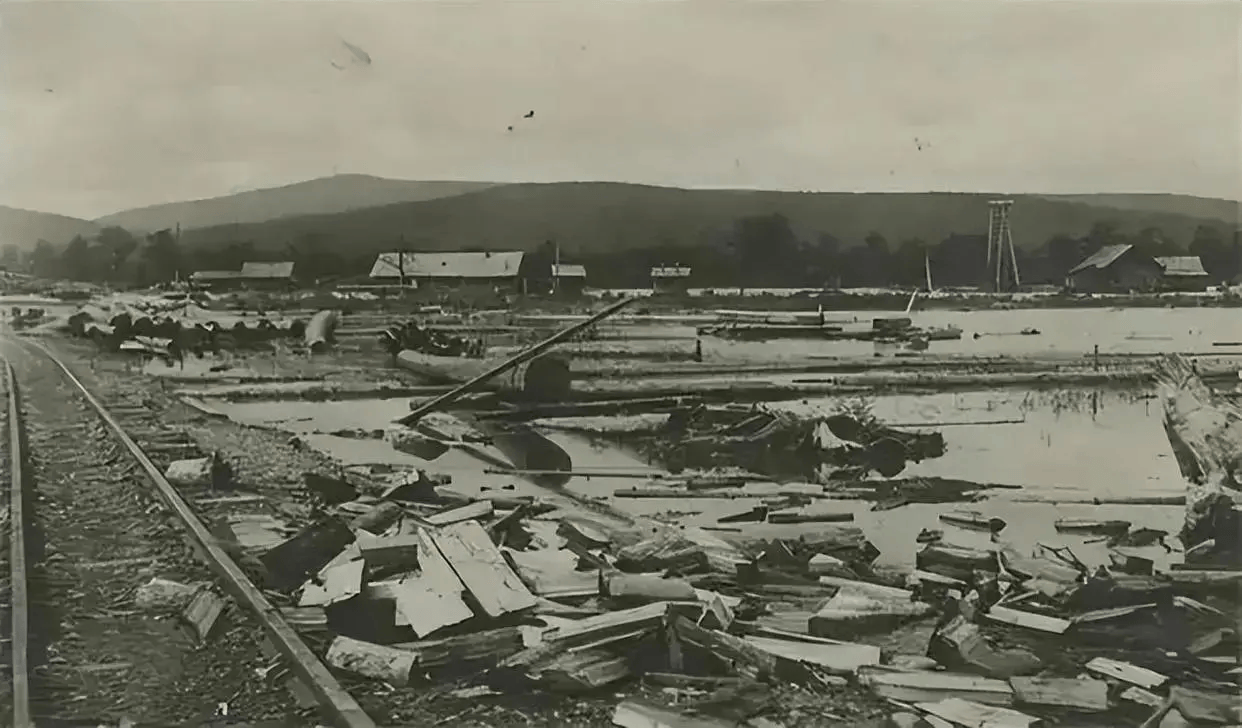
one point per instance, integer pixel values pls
(1080, 694)
(1127, 673)
(974, 715)
(433, 598)
(477, 510)
(482, 569)
(844, 658)
(921, 686)
(340, 582)
(1018, 618)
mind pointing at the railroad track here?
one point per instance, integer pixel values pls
(89, 519)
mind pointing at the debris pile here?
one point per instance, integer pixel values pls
(415, 337)
(405, 581)
(782, 445)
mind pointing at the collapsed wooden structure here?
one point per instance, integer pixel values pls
(1205, 432)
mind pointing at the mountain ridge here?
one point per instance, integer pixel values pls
(619, 216)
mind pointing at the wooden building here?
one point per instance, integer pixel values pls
(570, 278)
(1183, 273)
(497, 269)
(670, 278)
(1115, 269)
(252, 276)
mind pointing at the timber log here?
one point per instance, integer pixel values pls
(544, 379)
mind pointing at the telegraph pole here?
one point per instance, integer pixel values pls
(1000, 245)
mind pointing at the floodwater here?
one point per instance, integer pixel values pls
(1066, 444)
(1062, 331)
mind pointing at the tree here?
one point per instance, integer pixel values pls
(162, 256)
(75, 259)
(10, 257)
(44, 260)
(1217, 256)
(767, 250)
(908, 263)
(117, 245)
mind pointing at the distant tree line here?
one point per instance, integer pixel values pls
(764, 251)
(758, 252)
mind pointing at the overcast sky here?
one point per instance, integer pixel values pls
(111, 105)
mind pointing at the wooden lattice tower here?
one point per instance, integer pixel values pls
(1002, 262)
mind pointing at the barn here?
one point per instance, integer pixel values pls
(1115, 269)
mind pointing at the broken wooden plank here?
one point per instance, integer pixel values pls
(431, 599)
(553, 573)
(378, 662)
(975, 715)
(592, 630)
(645, 588)
(583, 535)
(203, 614)
(1030, 620)
(472, 511)
(1091, 525)
(1207, 706)
(401, 550)
(340, 582)
(959, 645)
(582, 670)
(916, 687)
(641, 714)
(666, 550)
(1127, 673)
(856, 609)
(482, 569)
(842, 659)
(745, 658)
(1081, 694)
(488, 645)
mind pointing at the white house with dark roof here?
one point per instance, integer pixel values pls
(495, 268)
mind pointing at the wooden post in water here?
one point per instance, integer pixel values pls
(1096, 356)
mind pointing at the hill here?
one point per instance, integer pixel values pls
(327, 195)
(1227, 211)
(589, 218)
(25, 228)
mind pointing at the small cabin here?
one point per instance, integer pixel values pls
(670, 279)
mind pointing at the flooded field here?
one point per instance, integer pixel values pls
(1059, 447)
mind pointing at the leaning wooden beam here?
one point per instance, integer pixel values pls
(449, 397)
(1205, 432)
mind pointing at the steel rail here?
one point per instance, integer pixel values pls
(343, 710)
(19, 595)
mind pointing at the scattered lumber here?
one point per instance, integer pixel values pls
(482, 569)
(491, 645)
(431, 599)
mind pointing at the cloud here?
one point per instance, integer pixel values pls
(155, 102)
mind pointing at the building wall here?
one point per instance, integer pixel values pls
(268, 284)
(512, 283)
(670, 285)
(1185, 283)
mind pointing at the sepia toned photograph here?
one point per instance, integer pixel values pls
(638, 363)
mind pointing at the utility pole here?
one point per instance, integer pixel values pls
(401, 261)
(556, 267)
(1000, 246)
